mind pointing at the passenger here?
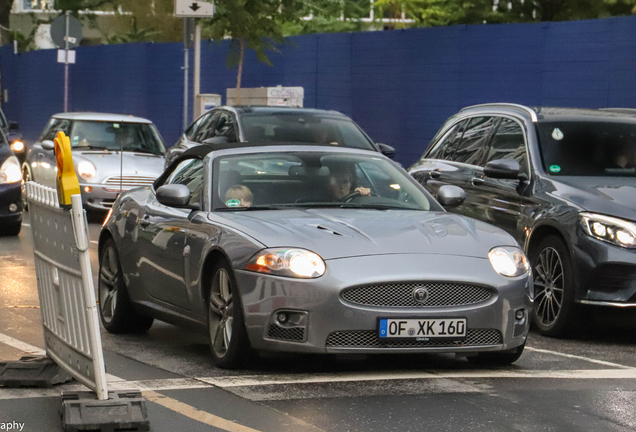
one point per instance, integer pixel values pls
(341, 183)
(625, 157)
(239, 193)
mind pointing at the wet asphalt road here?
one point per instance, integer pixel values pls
(587, 383)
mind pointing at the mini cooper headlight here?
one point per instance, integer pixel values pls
(10, 171)
(86, 170)
(287, 262)
(508, 261)
(612, 230)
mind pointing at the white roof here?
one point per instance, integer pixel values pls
(92, 116)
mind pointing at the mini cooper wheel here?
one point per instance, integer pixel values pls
(229, 343)
(26, 177)
(554, 308)
(498, 358)
(12, 229)
(116, 311)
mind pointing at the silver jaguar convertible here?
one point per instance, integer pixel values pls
(310, 249)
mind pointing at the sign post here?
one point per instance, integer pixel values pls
(66, 32)
(194, 9)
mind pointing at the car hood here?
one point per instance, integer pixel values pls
(614, 196)
(340, 233)
(107, 164)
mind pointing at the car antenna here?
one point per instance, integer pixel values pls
(121, 168)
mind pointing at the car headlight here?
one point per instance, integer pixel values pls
(287, 262)
(86, 170)
(508, 261)
(10, 171)
(612, 230)
(17, 146)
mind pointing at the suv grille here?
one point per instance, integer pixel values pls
(401, 294)
(369, 339)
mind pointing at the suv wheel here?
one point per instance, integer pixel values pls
(554, 307)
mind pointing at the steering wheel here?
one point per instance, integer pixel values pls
(349, 197)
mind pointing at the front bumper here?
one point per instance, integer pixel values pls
(607, 273)
(10, 194)
(99, 196)
(321, 321)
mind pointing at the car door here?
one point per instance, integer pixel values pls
(436, 168)
(161, 239)
(499, 201)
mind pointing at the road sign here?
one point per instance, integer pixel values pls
(193, 8)
(58, 31)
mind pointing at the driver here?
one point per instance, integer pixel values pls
(341, 183)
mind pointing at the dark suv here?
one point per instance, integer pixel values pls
(275, 124)
(563, 183)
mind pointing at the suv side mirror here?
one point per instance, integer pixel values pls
(216, 140)
(503, 169)
(386, 150)
(451, 196)
(14, 126)
(174, 195)
(47, 145)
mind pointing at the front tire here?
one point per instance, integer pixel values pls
(11, 229)
(229, 342)
(26, 177)
(554, 308)
(116, 311)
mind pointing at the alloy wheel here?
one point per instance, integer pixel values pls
(221, 314)
(26, 177)
(108, 284)
(548, 283)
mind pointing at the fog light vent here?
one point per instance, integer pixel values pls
(295, 334)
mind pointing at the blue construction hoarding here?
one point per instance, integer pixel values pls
(398, 85)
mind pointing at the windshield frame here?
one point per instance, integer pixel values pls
(213, 202)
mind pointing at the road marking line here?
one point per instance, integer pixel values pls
(195, 414)
(572, 356)
(116, 383)
(94, 241)
(25, 224)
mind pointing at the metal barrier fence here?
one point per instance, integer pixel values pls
(65, 287)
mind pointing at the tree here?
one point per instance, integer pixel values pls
(252, 24)
(145, 21)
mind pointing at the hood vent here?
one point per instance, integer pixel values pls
(329, 230)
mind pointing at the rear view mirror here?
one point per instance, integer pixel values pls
(387, 150)
(451, 196)
(47, 145)
(502, 169)
(174, 195)
(13, 126)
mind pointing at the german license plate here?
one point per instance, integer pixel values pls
(422, 329)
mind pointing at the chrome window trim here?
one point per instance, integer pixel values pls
(533, 114)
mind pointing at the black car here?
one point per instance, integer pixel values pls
(563, 183)
(10, 190)
(275, 124)
(12, 132)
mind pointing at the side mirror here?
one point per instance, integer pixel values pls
(451, 196)
(174, 195)
(14, 126)
(48, 145)
(216, 140)
(387, 150)
(502, 169)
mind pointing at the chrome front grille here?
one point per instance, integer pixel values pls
(401, 294)
(369, 339)
(129, 182)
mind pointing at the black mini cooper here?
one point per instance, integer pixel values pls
(563, 183)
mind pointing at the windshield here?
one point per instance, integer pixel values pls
(101, 135)
(304, 128)
(588, 148)
(264, 181)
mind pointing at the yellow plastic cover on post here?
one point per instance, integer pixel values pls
(67, 183)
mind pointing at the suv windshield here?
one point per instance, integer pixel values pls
(304, 128)
(270, 181)
(577, 148)
(102, 135)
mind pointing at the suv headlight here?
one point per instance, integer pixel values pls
(508, 261)
(86, 170)
(10, 171)
(612, 230)
(298, 263)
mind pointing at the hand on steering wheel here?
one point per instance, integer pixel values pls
(349, 197)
